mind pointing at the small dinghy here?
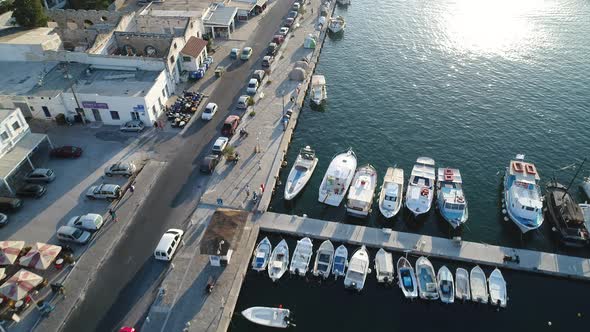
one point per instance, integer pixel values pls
(358, 268)
(426, 279)
(384, 267)
(301, 257)
(266, 316)
(446, 285)
(324, 258)
(407, 278)
(390, 198)
(340, 261)
(261, 255)
(462, 290)
(279, 260)
(479, 290)
(497, 286)
(301, 172)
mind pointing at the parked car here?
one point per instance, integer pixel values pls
(31, 190)
(10, 204)
(134, 125)
(234, 53)
(37, 175)
(272, 49)
(3, 219)
(90, 222)
(284, 31)
(278, 39)
(66, 151)
(104, 191)
(230, 125)
(296, 6)
(252, 86)
(73, 234)
(121, 168)
(246, 53)
(293, 14)
(209, 111)
(289, 21)
(168, 244)
(259, 75)
(219, 145)
(267, 60)
(209, 163)
(244, 102)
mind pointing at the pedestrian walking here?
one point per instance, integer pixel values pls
(156, 125)
(247, 190)
(312, 10)
(113, 215)
(132, 189)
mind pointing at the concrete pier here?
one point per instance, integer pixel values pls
(469, 252)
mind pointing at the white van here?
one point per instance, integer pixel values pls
(168, 244)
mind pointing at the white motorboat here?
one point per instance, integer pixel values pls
(586, 186)
(336, 24)
(301, 257)
(266, 316)
(390, 198)
(479, 290)
(384, 267)
(446, 285)
(450, 197)
(338, 178)
(462, 289)
(426, 279)
(358, 268)
(406, 278)
(318, 89)
(324, 258)
(300, 172)
(522, 195)
(340, 261)
(497, 285)
(421, 186)
(279, 261)
(261, 255)
(586, 213)
(361, 192)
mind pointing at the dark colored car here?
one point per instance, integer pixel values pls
(272, 49)
(31, 190)
(230, 125)
(278, 39)
(10, 204)
(66, 151)
(289, 21)
(209, 163)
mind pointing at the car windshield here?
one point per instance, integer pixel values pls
(245, 51)
(77, 233)
(208, 110)
(252, 85)
(227, 126)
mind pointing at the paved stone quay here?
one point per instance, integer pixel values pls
(471, 252)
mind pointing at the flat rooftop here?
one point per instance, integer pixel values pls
(178, 8)
(136, 83)
(26, 37)
(18, 78)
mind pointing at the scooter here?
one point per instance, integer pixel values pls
(254, 197)
(210, 285)
(243, 133)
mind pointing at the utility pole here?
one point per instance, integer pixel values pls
(72, 81)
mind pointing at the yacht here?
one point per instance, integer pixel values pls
(462, 289)
(340, 261)
(421, 186)
(446, 285)
(358, 268)
(390, 198)
(497, 286)
(279, 260)
(384, 267)
(586, 186)
(338, 178)
(522, 195)
(300, 172)
(361, 192)
(318, 89)
(566, 215)
(266, 316)
(336, 24)
(301, 257)
(426, 279)
(324, 258)
(261, 255)
(406, 278)
(479, 291)
(450, 197)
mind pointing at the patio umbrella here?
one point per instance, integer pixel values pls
(20, 284)
(40, 256)
(9, 251)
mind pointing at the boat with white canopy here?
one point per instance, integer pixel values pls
(420, 190)
(358, 268)
(338, 178)
(384, 268)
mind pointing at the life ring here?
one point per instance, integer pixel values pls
(424, 192)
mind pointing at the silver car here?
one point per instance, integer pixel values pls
(104, 191)
(134, 125)
(120, 168)
(90, 222)
(73, 234)
(40, 175)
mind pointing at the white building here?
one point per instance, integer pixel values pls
(193, 54)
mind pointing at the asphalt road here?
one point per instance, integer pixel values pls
(131, 272)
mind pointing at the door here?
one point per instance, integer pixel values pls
(46, 111)
(134, 115)
(96, 114)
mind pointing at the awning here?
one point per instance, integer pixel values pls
(23, 148)
(220, 16)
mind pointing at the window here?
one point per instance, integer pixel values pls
(46, 111)
(172, 59)
(186, 59)
(32, 109)
(154, 111)
(160, 103)
(175, 47)
(15, 125)
(115, 115)
(4, 136)
(164, 93)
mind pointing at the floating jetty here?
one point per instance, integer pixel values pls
(465, 251)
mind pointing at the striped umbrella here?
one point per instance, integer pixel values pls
(20, 284)
(9, 251)
(40, 256)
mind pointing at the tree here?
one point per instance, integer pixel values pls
(29, 13)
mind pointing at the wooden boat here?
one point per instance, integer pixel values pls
(261, 255)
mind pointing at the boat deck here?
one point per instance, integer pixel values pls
(471, 252)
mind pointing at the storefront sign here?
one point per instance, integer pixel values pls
(93, 104)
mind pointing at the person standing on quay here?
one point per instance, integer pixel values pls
(113, 215)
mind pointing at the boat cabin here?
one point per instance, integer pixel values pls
(222, 235)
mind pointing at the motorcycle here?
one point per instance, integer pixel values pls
(255, 197)
(243, 133)
(210, 285)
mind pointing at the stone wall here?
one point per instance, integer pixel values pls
(84, 19)
(162, 25)
(139, 44)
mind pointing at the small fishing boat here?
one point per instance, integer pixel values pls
(361, 192)
(450, 197)
(426, 279)
(479, 290)
(446, 285)
(497, 285)
(358, 268)
(586, 186)
(261, 255)
(586, 212)
(301, 257)
(384, 267)
(318, 89)
(338, 178)
(420, 190)
(340, 261)
(266, 316)
(279, 260)
(566, 215)
(300, 172)
(522, 195)
(336, 24)
(462, 289)
(324, 258)
(390, 198)
(406, 278)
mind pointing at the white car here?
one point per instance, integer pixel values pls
(90, 222)
(244, 102)
(209, 111)
(168, 244)
(120, 168)
(220, 145)
(104, 191)
(40, 175)
(284, 31)
(252, 86)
